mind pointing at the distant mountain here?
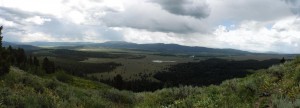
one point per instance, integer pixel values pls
(17, 45)
(168, 48)
(157, 47)
(6, 44)
(56, 44)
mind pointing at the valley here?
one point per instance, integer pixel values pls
(150, 67)
(89, 76)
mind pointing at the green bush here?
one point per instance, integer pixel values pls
(116, 96)
(63, 77)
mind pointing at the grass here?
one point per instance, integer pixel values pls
(130, 69)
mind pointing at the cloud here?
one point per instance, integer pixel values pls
(37, 20)
(30, 26)
(144, 36)
(255, 25)
(294, 6)
(148, 16)
(241, 10)
(7, 23)
(20, 18)
(255, 36)
(194, 8)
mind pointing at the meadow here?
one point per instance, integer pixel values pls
(128, 63)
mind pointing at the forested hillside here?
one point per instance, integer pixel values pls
(276, 87)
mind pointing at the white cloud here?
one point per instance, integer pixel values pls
(255, 36)
(7, 23)
(144, 36)
(37, 20)
(256, 25)
(29, 37)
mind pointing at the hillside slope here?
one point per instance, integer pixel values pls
(26, 47)
(276, 87)
(20, 89)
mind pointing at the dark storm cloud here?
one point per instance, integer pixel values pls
(294, 6)
(152, 18)
(291, 1)
(194, 8)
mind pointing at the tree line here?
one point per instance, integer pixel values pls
(210, 71)
(17, 57)
(203, 73)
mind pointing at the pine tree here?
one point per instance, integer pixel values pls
(30, 60)
(21, 58)
(45, 64)
(118, 81)
(1, 36)
(4, 65)
(51, 67)
(48, 66)
(11, 58)
(36, 62)
(282, 60)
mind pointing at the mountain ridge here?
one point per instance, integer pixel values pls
(158, 47)
(16, 45)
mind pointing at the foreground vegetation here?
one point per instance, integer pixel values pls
(21, 89)
(277, 86)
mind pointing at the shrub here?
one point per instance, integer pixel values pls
(116, 96)
(63, 77)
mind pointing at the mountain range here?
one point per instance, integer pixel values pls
(157, 47)
(20, 45)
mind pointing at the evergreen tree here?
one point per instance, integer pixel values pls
(30, 60)
(51, 67)
(11, 57)
(282, 60)
(36, 62)
(10, 49)
(21, 58)
(45, 64)
(1, 36)
(48, 66)
(4, 65)
(118, 81)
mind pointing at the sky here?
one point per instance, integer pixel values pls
(251, 25)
